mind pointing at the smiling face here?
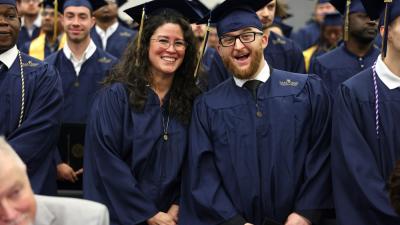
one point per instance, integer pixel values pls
(9, 27)
(244, 60)
(77, 22)
(166, 60)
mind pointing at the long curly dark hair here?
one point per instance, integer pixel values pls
(137, 76)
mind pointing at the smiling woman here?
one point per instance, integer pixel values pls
(138, 124)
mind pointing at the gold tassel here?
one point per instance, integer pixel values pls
(385, 24)
(202, 49)
(55, 34)
(346, 21)
(140, 32)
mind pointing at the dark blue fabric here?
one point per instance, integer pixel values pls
(9, 2)
(23, 36)
(281, 53)
(362, 163)
(307, 36)
(128, 165)
(237, 19)
(339, 65)
(78, 100)
(35, 140)
(117, 42)
(241, 164)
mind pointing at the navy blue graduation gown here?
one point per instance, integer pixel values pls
(128, 165)
(35, 140)
(339, 65)
(281, 53)
(117, 42)
(361, 162)
(79, 90)
(240, 165)
(308, 35)
(23, 36)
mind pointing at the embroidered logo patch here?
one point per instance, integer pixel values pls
(125, 34)
(288, 82)
(104, 60)
(30, 64)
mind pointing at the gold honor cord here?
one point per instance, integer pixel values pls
(202, 49)
(346, 21)
(385, 24)
(21, 115)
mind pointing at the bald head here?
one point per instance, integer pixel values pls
(8, 157)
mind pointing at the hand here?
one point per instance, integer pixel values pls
(66, 173)
(173, 212)
(296, 219)
(161, 218)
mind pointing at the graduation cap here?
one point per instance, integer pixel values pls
(388, 10)
(199, 7)
(347, 7)
(333, 19)
(92, 5)
(184, 7)
(9, 2)
(232, 15)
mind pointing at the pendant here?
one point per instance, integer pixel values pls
(76, 84)
(165, 137)
(259, 114)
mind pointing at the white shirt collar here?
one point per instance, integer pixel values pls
(385, 75)
(90, 50)
(8, 57)
(104, 35)
(262, 76)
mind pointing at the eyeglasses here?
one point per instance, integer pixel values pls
(179, 45)
(227, 41)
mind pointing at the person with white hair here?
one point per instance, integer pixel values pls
(18, 204)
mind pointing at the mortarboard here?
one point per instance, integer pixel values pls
(199, 7)
(233, 15)
(333, 19)
(8, 2)
(190, 13)
(323, 1)
(92, 5)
